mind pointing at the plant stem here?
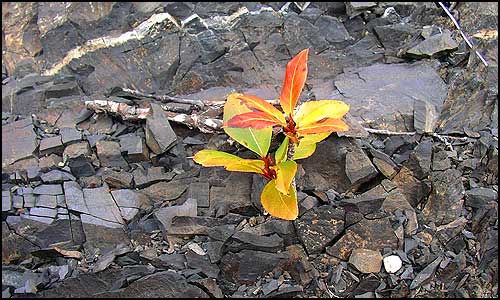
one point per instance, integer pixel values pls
(289, 156)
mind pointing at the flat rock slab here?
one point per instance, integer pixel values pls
(101, 205)
(159, 134)
(368, 234)
(372, 96)
(165, 191)
(245, 266)
(366, 260)
(319, 227)
(245, 240)
(18, 141)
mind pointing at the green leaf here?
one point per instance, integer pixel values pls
(280, 154)
(278, 204)
(304, 150)
(257, 140)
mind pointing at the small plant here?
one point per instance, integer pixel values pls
(249, 121)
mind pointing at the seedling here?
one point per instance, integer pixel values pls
(249, 120)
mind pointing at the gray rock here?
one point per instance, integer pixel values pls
(145, 178)
(70, 135)
(56, 176)
(200, 192)
(355, 8)
(17, 201)
(359, 168)
(425, 116)
(101, 205)
(333, 30)
(420, 159)
(109, 154)
(131, 198)
(48, 189)
(446, 199)
(80, 159)
(426, 273)
(159, 135)
(384, 163)
(115, 179)
(396, 36)
(49, 201)
(441, 161)
(270, 287)
(51, 145)
(242, 268)
(43, 212)
(88, 219)
(300, 34)
(479, 197)
(413, 189)
(185, 225)
(434, 46)
(165, 215)
(210, 286)
(234, 197)
(245, 240)
(74, 197)
(165, 191)
(6, 201)
(363, 204)
(18, 141)
(134, 147)
(214, 251)
(366, 260)
(29, 200)
(107, 258)
(203, 263)
(319, 227)
(174, 260)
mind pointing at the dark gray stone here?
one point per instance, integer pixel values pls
(434, 46)
(420, 159)
(203, 263)
(300, 34)
(56, 176)
(18, 141)
(159, 135)
(333, 30)
(165, 214)
(185, 225)
(115, 179)
(396, 36)
(242, 268)
(358, 167)
(51, 145)
(70, 135)
(234, 197)
(174, 260)
(363, 204)
(319, 227)
(80, 158)
(426, 273)
(134, 147)
(62, 90)
(145, 178)
(479, 197)
(165, 191)
(109, 154)
(245, 240)
(446, 199)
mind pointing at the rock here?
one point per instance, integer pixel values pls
(48, 189)
(130, 202)
(134, 148)
(396, 36)
(18, 141)
(355, 8)
(200, 192)
(203, 263)
(49, 162)
(102, 236)
(214, 251)
(425, 116)
(17, 201)
(441, 161)
(434, 46)
(174, 260)
(420, 159)
(368, 234)
(479, 197)
(165, 191)
(117, 179)
(300, 34)
(150, 176)
(363, 88)
(56, 176)
(245, 240)
(384, 163)
(107, 258)
(49, 201)
(366, 260)
(70, 135)
(51, 145)
(185, 225)
(364, 204)
(100, 204)
(234, 197)
(333, 30)
(209, 285)
(109, 154)
(319, 227)
(426, 273)
(159, 135)
(413, 189)
(62, 90)
(242, 268)
(358, 167)
(165, 215)
(6, 201)
(270, 287)
(80, 158)
(392, 263)
(446, 199)
(161, 284)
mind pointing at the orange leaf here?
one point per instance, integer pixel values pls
(277, 204)
(253, 119)
(295, 78)
(325, 125)
(214, 158)
(257, 104)
(285, 172)
(313, 111)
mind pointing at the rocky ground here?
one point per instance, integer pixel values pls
(405, 204)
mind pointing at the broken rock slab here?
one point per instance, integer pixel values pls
(159, 135)
(165, 214)
(366, 260)
(109, 154)
(434, 46)
(18, 141)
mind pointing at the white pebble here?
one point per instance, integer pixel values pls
(392, 263)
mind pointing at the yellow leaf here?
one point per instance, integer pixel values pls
(257, 140)
(285, 172)
(214, 158)
(314, 111)
(313, 138)
(277, 204)
(304, 150)
(323, 126)
(280, 154)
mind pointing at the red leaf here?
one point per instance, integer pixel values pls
(257, 104)
(295, 78)
(254, 119)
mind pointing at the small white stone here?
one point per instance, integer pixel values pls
(392, 263)
(196, 249)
